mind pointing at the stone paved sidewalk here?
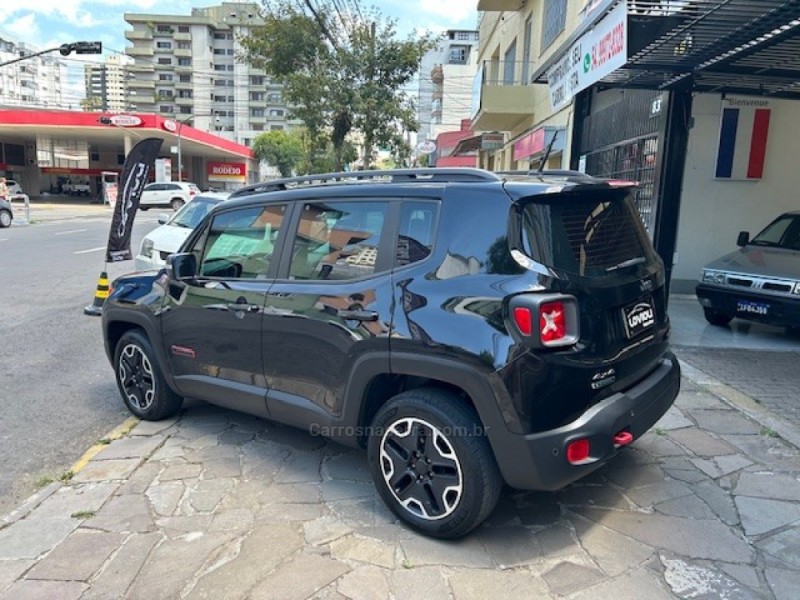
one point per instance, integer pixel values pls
(218, 505)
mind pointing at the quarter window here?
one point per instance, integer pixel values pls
(240, 244)
(338, 240)
(415, 235)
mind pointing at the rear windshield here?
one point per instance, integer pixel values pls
(591, 235)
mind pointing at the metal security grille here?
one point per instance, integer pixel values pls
(635, 161)
(621, 141)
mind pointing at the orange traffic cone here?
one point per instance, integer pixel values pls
(95, 309)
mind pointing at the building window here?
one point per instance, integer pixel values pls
(219, 98)
(185, 78)
(458, 56)
(186, 110)
(276, 112)
(276, 127)
(165, 93)
(274, 98)
(183, 29)
(219, 67)
(164, 29)
(219, 36)
(165, 61)
(526, 51)
(166, 108)
(184, 62)
(230, 67)
(165, 45)
(510, 64)
(555, 18)
(164, 77)
(256, 112)
(463, 35)
(184, 45)
(219, 51)
(257, 126)
(184, 93)
(257, 96)
(256, 80)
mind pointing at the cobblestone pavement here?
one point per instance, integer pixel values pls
(215, 504)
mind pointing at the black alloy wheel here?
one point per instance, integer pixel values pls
(432, 463)
(140, 380)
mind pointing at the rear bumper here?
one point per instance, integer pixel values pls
(783, 311)
(538, 461)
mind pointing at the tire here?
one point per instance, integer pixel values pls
(5, 218)
(717, 318)
(140, 379)
(434, 436)
(176, 204)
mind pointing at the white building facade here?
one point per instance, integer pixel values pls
(35, 82)
(185, 67)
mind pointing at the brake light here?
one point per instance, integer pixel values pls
(523, 320)
(192, 192)
(552, 322)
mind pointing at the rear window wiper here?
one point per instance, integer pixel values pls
(764, 243)
(627, 263)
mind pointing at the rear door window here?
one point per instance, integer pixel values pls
(591, 234)
(416, 231)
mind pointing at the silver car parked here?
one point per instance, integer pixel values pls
(758, 282)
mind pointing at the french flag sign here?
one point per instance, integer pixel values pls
(743, 132)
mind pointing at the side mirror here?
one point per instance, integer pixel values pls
(181, 266)
(163, 218)
(743, 239)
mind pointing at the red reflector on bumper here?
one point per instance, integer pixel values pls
(578, 451)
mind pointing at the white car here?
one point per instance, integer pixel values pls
(167, 239)
(14, 189)
(172, 193)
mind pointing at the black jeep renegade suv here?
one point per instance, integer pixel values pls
(467, 328)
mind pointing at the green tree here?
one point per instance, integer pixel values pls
(342, 71)
(280, 149)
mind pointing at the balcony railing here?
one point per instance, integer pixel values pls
(502, 95)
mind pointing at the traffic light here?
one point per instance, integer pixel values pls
(81, 48)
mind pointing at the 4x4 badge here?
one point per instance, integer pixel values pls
(646, 285)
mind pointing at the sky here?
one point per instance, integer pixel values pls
(50, 23)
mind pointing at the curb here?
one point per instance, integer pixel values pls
(787, 430)
(40, 496)
(116, 433)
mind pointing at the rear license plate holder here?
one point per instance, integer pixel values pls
(638, 317)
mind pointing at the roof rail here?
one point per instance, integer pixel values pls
(434, 174)
(564, 173)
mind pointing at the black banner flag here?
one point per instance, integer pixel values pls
(135, 175)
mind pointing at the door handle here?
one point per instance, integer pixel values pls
(243, 307)
(358, 315)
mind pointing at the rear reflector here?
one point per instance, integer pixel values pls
(552, 322)
(623, 438)
(578, 451)
(523, 320)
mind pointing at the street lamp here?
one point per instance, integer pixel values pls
(64, 49)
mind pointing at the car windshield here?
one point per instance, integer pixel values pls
(192, 213)
(783, 232)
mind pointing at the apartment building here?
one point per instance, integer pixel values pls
(445, 83)
(106, 84)
(185, 67)
(35, 82)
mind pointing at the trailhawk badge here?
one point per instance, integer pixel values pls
(638, 317)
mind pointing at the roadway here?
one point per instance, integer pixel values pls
(57, 390)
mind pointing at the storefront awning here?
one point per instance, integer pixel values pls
(723, 46)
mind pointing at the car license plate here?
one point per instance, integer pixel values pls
(755, 308)
(638, 317)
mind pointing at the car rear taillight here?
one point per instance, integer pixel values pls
(578, 452)
(552, 322)
(192, 192)
(555, 315)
